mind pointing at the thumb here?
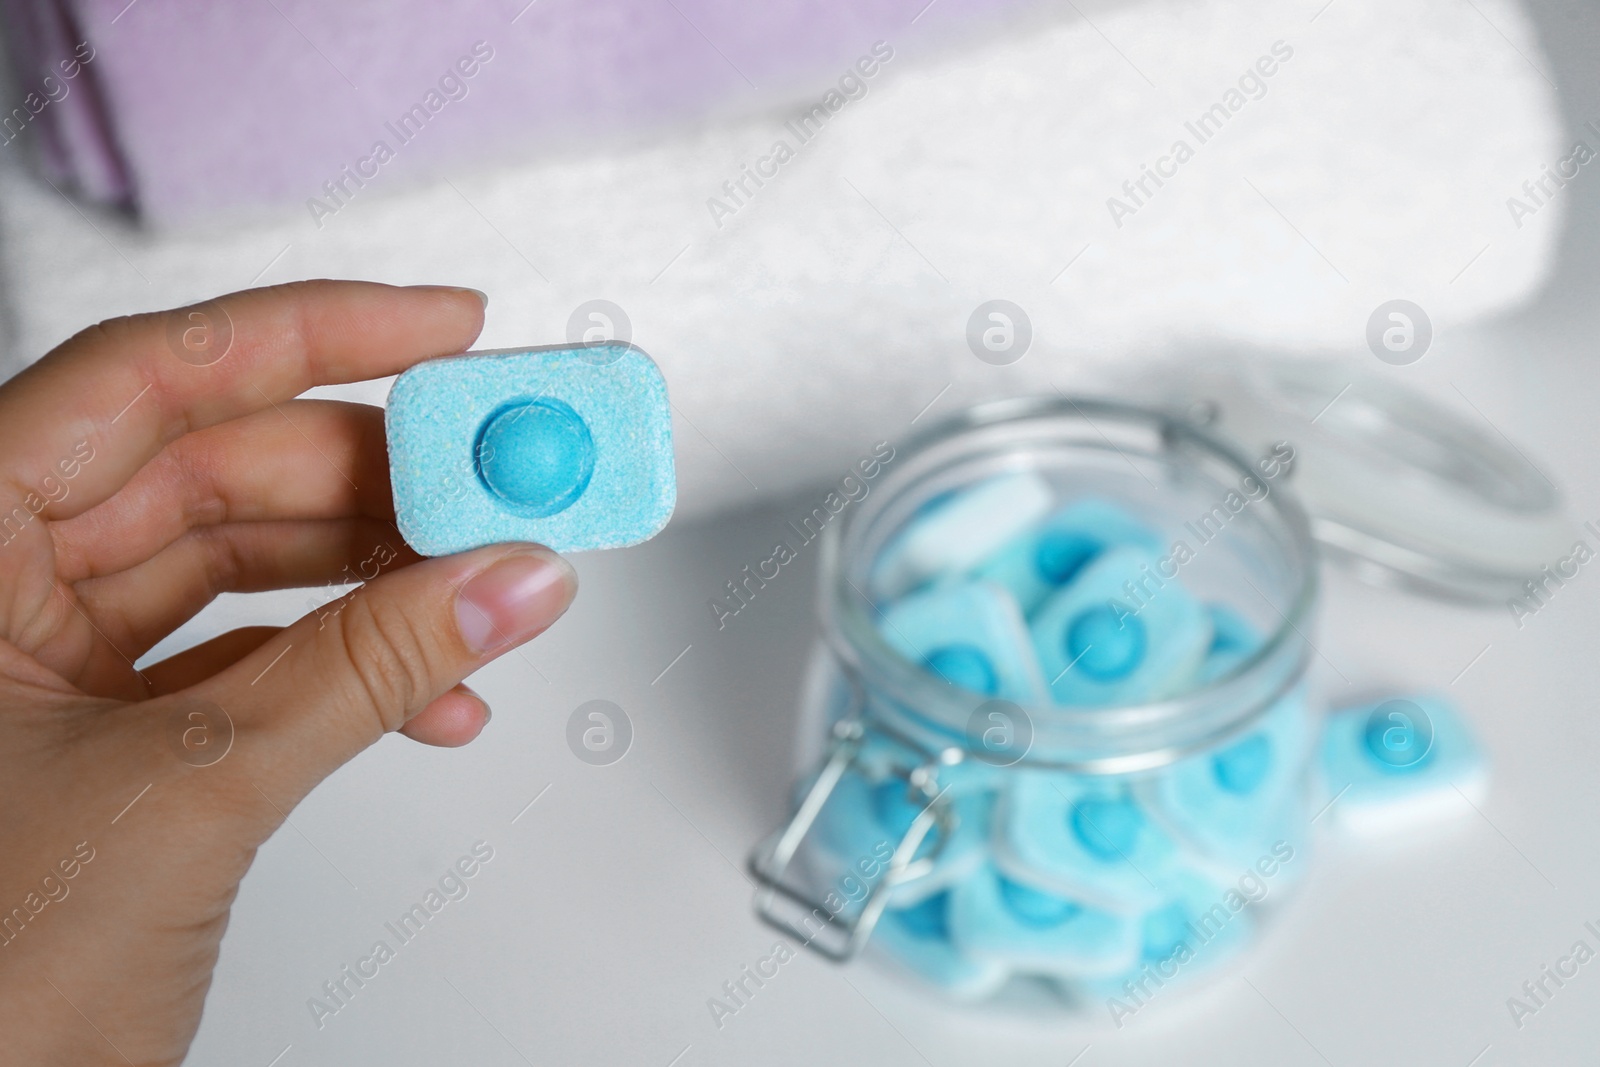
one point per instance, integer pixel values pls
(337, 680)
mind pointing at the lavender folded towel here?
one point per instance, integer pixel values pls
(189, 108)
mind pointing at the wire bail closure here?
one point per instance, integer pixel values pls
(786, 907)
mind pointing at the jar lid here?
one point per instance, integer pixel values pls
(1407, 490)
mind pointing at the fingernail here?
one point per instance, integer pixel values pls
(482, 296)
(514, 600)
(488, 712)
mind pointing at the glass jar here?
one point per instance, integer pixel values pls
(1106, 851)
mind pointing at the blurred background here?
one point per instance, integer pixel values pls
(799, 209)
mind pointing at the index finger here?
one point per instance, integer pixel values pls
(99, 407)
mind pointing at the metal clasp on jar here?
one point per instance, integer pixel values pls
(789, 908)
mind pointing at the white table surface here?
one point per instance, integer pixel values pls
(615, 906)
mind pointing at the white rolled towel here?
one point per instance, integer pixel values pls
(1163, 175)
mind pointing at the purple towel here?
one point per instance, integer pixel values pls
(186, 108)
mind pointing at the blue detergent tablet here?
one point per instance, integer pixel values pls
(1228, 806)
(1201, 926)
(965, 667)
(1050, 554)
(1061, 554)
(1242, 767)
(1034, 907)
(1032, 930)
(957, 530)
(1084, 839)
(926, 921)
(1398, 764)
(970, 635)
(1163, 930)
(1106, 828)
(1105, 648)
(1119, 633)
(551, 445)
(918, 937)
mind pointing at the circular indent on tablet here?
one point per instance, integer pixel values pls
(1033, 907)
(1103, 647)
(1060, 555)
(966, 667)
(1241, 767)
(926, 920)
(1399, 735)
(536, 456)
(1107, 829)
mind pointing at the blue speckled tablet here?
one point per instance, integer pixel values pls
(568, 447)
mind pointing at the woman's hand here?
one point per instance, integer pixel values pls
(147, 465)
